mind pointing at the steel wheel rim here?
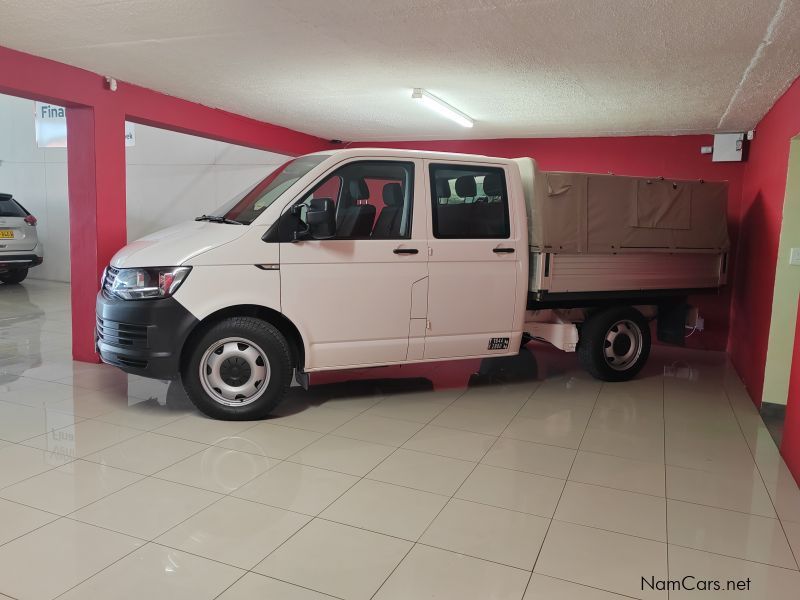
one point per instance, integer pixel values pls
(234, 371)
(623, 345)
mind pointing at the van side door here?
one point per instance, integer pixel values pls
(351, 295)
(477, 261)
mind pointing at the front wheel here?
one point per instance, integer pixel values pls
(614, 344)
(238, 370)
(14, 276)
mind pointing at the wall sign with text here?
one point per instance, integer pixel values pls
(51, 127)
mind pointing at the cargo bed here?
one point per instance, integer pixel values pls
(600, 236)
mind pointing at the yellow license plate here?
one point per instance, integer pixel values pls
(6, 234)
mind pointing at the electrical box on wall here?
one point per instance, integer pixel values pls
(729, 147)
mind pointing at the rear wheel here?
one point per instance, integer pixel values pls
(238, 370)
(14, 276)
(614, 344)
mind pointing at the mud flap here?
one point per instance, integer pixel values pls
(671, 324)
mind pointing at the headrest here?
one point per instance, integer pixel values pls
(443, 188)
(466, 187)
(393, 194)
(493, 184)
(359, 189)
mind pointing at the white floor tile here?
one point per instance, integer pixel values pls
(542, 587)
(646, 446)
(609, 561)
(17, 520)
(271, 440)
(381, 430)
(433, 573)
(345, 455)
(20, 462)
(496, 534)
(514, 490)
(217, 469)
(146, 453)
(198, 428)
(419, 407)
(423, 471)
(487, 420)
(744, 492)
(385, 508)
(615, 510)
(58, 556)
(297, 487)
(322, 419)
(454, 443)
(347, 562)
(154, 571)
(766, 582)
(69, 487)
(235, 532)
(83, 438)
(530, 457)
(253, 585)
(735, 534)
(147, 508)
(619, 473)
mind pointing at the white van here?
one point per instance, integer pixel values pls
(370, 257)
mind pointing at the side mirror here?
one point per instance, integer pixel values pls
(320, 220)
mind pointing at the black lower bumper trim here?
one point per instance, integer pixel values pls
(9, 262)
(143, 337)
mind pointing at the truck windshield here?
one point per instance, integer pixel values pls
(246, 207)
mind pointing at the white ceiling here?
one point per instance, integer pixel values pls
(345, 68)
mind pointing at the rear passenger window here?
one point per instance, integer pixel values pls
(9, 207)
(469, 202)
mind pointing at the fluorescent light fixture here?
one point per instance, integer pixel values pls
(442, 107)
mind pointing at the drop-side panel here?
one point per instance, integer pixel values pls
(557, 273)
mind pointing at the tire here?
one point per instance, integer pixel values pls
(14, 276)
(614, 344)
(233, 354)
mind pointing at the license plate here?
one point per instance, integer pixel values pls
(6, 234)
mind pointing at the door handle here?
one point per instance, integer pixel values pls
(503, 250)
(405, 251)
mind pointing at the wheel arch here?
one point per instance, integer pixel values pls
(278, 320)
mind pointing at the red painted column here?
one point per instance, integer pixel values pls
(96, 172)
(790, 445)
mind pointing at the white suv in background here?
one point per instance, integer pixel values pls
(19, 244)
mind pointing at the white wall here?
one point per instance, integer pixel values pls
(171, 177)
(37, 177)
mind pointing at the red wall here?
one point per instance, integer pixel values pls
(672, 157)
(763, 189)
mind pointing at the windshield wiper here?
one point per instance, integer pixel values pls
(217, 219)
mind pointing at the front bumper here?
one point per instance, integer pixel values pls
(21, 260)
(143, 337)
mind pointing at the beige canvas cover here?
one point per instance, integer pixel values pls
(587, 213)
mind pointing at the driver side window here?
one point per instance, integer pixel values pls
(372, 200)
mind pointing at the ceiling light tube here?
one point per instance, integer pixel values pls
(442, 107)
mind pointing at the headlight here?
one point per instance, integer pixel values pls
(149, 282)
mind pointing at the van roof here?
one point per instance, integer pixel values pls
(405, 153)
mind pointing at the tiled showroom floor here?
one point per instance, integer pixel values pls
(560, 488)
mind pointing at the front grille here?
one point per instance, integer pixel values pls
(122, 334)
(111, 276)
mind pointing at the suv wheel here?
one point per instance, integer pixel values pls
(14, 276)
